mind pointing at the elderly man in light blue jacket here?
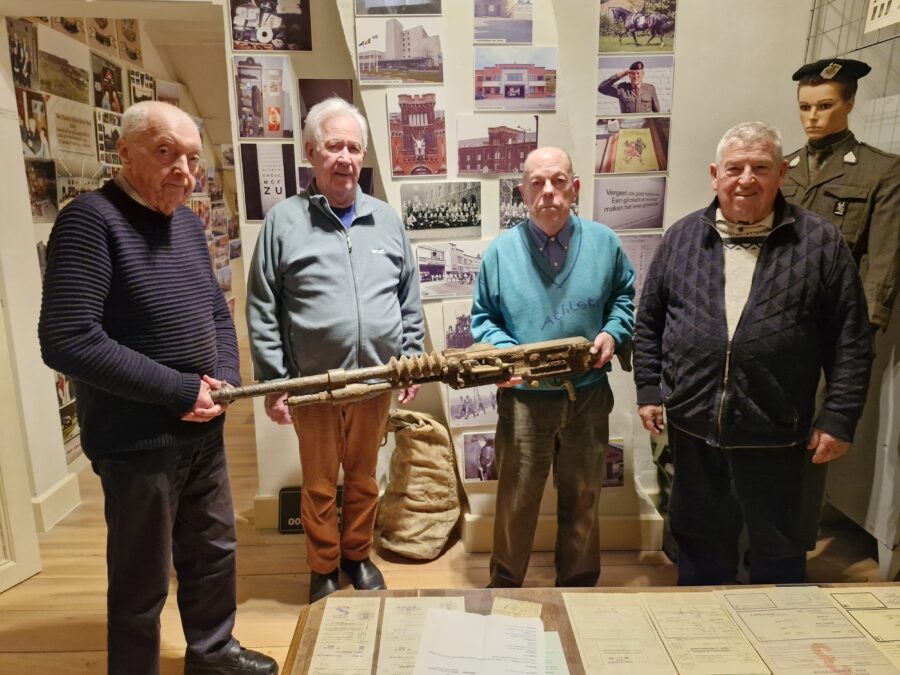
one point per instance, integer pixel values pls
(333, 284)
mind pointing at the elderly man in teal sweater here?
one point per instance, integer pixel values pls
(552, 276)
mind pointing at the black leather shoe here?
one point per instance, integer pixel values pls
(364, 574)
(236, 661)
(321, 585)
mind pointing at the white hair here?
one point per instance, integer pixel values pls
(139, 118)
(752, 132)
(323, 111)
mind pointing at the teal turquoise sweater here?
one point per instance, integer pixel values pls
(519, 298)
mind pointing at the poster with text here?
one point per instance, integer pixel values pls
(271, 25)
(269, 176)
(633, 203)
(640, 249)
(71, 129)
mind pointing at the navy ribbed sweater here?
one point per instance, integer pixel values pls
(133, 313)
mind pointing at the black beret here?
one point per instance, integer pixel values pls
(830, 68)
(637, 65)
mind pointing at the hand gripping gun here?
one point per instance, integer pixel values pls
(459, 368)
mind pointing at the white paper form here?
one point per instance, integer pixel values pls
(615, 636)
(511, 607)
(700, 635)
(877, 611)
(554, 656)
(345, 644)
(401, 630)
(459, 643)
(798, 630)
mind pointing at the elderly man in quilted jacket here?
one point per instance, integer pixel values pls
(745, 305)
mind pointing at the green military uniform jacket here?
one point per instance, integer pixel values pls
(857, 189)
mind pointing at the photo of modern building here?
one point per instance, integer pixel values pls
(389, 52)
(515, 78)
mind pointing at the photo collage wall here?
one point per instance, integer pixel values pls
(74, 78)
(402, 48)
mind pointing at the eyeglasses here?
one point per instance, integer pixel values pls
(335, 146)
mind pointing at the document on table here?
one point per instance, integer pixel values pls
(700, 635)
(401, 630)
(345, 644)
(511, 607)
(460, 643)
(800, 630)
(877, 611)
(614, 635)
(554, 656)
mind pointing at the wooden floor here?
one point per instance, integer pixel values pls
(55, 622)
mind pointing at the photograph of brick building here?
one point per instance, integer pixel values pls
(418, 134)
(494, 144)
(515, 78)
(392, 52)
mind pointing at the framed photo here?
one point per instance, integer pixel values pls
(506, 22)
(168, 92)
(515, 78)
(440, 210)
(639, 84)
(370, 7)
(635, 27)
(107, 84)
(40, 175)
(449, 269)
(33, 125)
(475, 406)
(480, 461)
(109, 130)
(614, 465)
(102, 36)
(64, 66)
(23, 53)
(632, 203)
(263, 103)
(631, 145)
(399, 51)
(271, 25)
(69, 25)
(129, 34)
(418, 132)
(488, 144)
(69, 187)
(143, 86)
(512, 206)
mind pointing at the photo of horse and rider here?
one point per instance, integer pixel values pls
(637, 26)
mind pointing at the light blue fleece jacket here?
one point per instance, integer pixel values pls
(519, 298)
(321, 297)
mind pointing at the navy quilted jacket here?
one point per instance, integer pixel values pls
(806, 314)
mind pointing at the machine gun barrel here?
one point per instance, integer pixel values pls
(459, 368)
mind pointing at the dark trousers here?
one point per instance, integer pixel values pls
(537, 430)
(717, 491)
(169, 503)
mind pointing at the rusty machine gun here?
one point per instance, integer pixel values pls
(460, 368)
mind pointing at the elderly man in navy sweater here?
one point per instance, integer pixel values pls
(552, 276)
(132, 312)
